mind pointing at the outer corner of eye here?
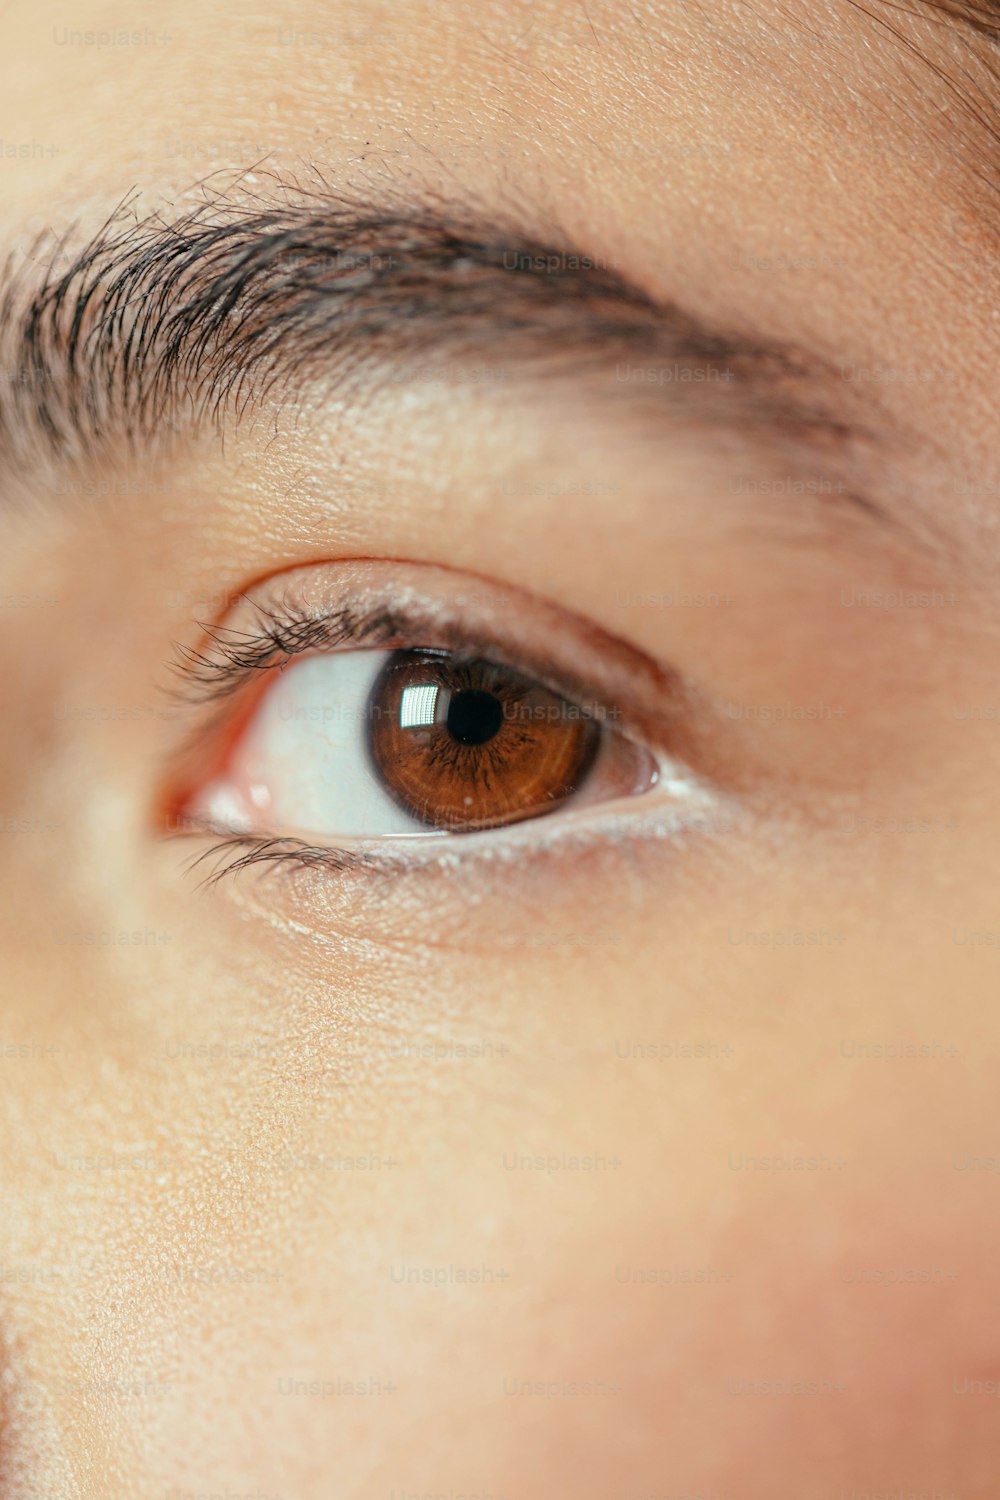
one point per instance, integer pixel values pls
(377, 744)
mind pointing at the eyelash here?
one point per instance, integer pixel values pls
(235, 657)
(207, 678)
(238, 851)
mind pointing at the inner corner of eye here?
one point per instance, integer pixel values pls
(375, 743)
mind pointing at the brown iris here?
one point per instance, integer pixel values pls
(466, 744)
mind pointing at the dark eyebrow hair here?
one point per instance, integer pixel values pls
(156, 326)
(982, 16)
(967, 66)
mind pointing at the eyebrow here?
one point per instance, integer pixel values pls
(154, 326)
(982, 16)
(972, 77)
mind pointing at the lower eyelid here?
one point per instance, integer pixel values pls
(677, 806)
(580, 878)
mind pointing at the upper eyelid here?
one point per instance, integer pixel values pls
(242, 656)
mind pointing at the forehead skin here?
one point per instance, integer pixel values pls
(792, 170)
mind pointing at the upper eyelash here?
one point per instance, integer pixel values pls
(238, 654)
(234, 656)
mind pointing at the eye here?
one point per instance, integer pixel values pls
(378, 743)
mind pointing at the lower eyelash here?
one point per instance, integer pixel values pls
(691, 808)
(237, 851)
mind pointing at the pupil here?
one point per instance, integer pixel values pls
(473, 717)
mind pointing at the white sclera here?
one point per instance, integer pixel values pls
(302, 765)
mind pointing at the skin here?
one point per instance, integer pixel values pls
(156, 1312)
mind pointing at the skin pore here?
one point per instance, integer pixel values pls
(637, 1152)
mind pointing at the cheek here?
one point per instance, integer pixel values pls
(595, 1296)
(605, 1292)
